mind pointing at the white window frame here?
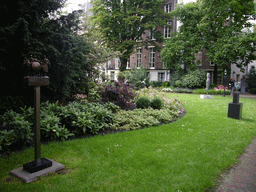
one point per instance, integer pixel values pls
(117, 63)
(138, 57)
(167, 29)
(151, 34)
(128, 66)
(162, 75)
(109, 64)
(152, 57)
(112, 75)
(167, 8)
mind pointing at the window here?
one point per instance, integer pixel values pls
(112, 75)
(198, 58)
(109, 64)
(152, 54)
(117, 63)
(128, 64)
(167, 29)
(152, 34)
(160, 77)
(167, 8)
(138, 57)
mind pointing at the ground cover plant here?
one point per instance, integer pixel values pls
(187, 155)
(212, 91)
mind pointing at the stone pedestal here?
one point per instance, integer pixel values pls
(29, 177)
(235, 108)
(206, 96)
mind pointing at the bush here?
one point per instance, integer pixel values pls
(253, 90)
(178, 83)
(118, 93)
(156, 103)
(138, 77)
(143, 102)
(251, 80)
(14, 128)
(194, 79)
(166, 84)
(185, 90)
(212, 91)
(141, 118)
(156, 83)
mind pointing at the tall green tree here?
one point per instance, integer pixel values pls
(226, 31)
(39, 28)
(182, 45)
(222, 27)
(123, 22)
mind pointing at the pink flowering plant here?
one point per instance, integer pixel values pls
(220, 87)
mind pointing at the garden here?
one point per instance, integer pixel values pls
(160, 154)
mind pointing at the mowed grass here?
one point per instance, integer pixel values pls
(187, 155)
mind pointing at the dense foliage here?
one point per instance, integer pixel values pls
(79, 118)
(57, 122)
(39, 28)
(251, 80)
(156, 103)
(138, 77)
(122, 24)
(212, 91)
(118, 93)
(222, 27)
(191, 79)
(143, 102)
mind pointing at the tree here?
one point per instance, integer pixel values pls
(39, 28)
(226, 31)
(221, 27)
(182, 45)
(123, 22)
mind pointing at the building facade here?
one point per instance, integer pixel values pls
(148, 57)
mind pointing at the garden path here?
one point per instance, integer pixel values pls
(241, 177)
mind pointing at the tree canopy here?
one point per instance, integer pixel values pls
(39, 28)
(222, 27)
(122, 23)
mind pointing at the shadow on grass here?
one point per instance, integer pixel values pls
(248, 120)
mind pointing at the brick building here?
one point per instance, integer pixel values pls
(148, 57)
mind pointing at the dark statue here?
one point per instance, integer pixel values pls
(34, 67)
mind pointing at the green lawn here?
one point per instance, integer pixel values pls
(187, 155)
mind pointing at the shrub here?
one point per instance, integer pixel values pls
(251, 80)
(178, 83)
(169, 103)
(143, 102)
(212, 91)
(166, 84)
(156, 83)
(141, 118)
(111, 106)
(118, 93)
(253, 90)
(138, 77)
(185, 90)
(156, 103)
(194, 79)
(14, 129)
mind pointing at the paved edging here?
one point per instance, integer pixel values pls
(241, 177)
